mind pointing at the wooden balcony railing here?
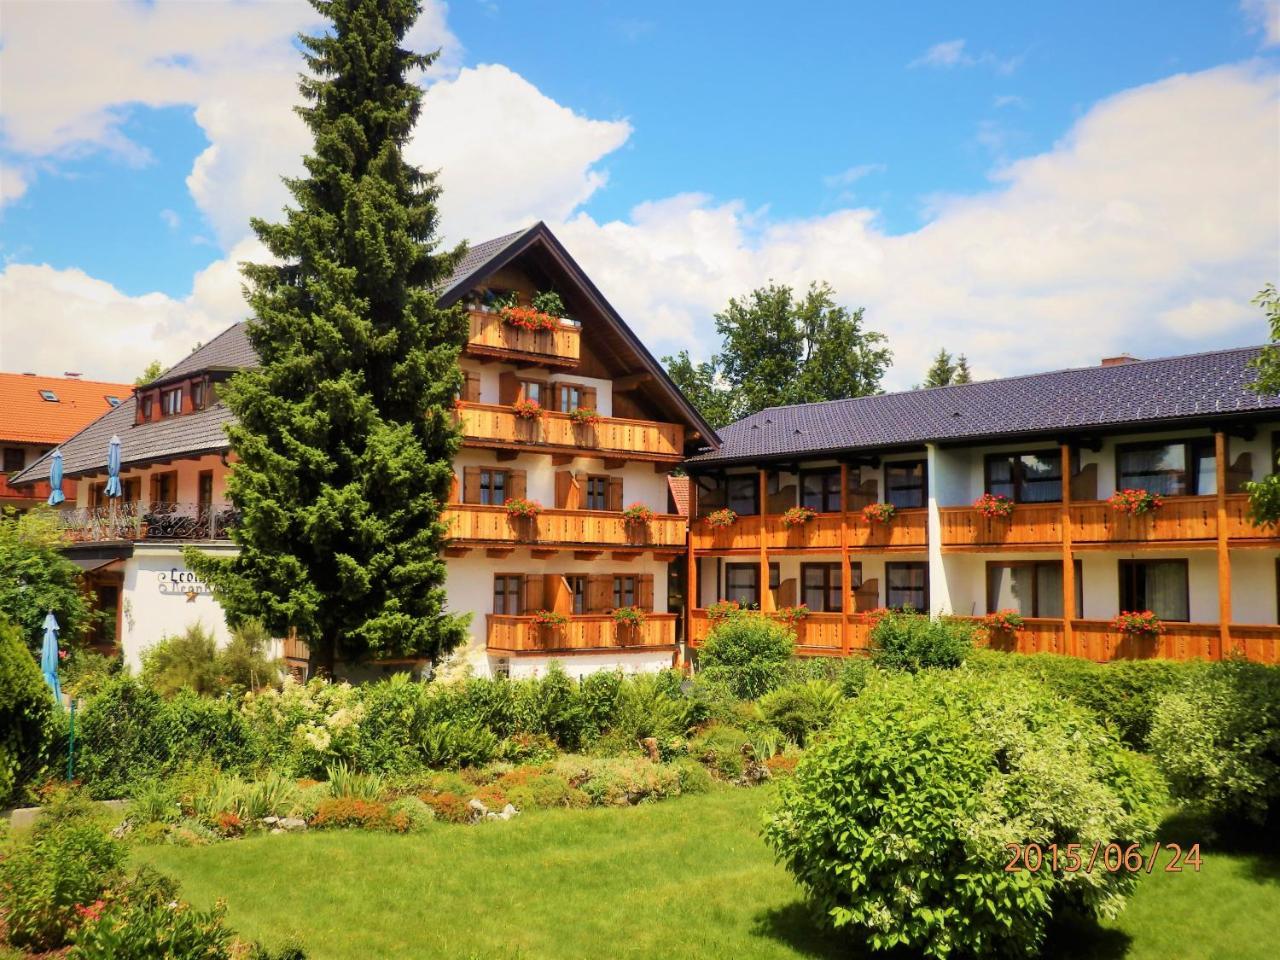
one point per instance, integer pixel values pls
(908, 529)
(1179, 519)
(33, 491)
(815, 633)
(490, 335)
(488, 425)
(570, 528)
(583, 633)
(1030, 524)
(130, 520)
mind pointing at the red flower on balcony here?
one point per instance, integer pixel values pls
(994, 506)
(722, 610)
(638, 513)
(1135, 502)
(792, 615)
(724, 517)
(797, 516)
(549, 618)
(629, 616)
(1141, 624)
(879, 512)
(519, 507)
(528, 409)
(527, 318)
(584, 416)
(1003, 621)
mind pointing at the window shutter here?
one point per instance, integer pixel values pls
(534, 598)
(867, 596)
(508, 388)
(566, 490)
(556, 594)
(455, 490)
(516, 484)
(471, 387)
(588, 395)
(470, 484)
(787, 593)
(644, 591)
(615, 494)
(599, 593)
(782, 498)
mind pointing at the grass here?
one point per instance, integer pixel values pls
(684, 878)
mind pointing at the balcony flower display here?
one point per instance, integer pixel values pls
(527, 318)
(1003, 621)
(797, 516)
(1135, 502)
(549, 618)
(724, 517)
(1138, 624)
(520, 508)
(584, 416)
(629, 620)
(638, 513)
(994, 506)
(528, 409)
(879, 512)
(792, 615)
(722, 610)
(876, 615)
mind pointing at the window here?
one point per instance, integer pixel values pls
(112, 400)
(907, 586)
(1156, 585)
(743, 494)
(197, 395)
(1025, 477)
(14, 459)
(204, 489)
(820, 490)
(533, 390)
(49, 395)
(507, 594)
(493, 487)
(596, 495)
(570, 397)
(148, 406)
(624, 591)
(1177, 468)
(171, 402)
(1034, 589)
(578, 589)
(821, 587)
(164, 487)
(742, 582)
(905, 483)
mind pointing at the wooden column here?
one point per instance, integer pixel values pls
(766, 598)
(1068, 557)
(846, 572)
(691, 569)
(1224, 554)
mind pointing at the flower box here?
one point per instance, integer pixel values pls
(879, 512)
(584, 417)
(638, 514)
(994, 506)
(1138, 624)
(797, 516)
(528, 409)
(522, 509)
(1135, 502)
(724, 517)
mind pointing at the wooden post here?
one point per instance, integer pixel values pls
(1068, 558)
(1224, 554)
(846, 570)
(766, 598)
(691, 570)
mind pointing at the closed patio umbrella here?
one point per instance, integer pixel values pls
(49, 655)
(113, 468)
(55, 479)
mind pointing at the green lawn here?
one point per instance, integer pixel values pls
(682, 878)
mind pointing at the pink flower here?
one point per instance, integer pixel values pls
(62, 654)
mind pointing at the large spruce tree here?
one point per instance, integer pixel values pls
(344, 433)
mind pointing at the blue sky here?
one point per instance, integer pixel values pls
(806, 138)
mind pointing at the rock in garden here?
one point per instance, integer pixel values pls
(509, 811)
(293, 823)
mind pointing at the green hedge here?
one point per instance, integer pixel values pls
(28, 716)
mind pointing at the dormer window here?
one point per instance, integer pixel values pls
(148, 406)
(49, 395)
(197, 395)
(113, 401)
(171, 402)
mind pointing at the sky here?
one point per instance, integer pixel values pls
(1034, 185)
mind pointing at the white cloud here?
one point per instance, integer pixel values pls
(13, 183)
(171, 219)
(953, 53)
(853, 174)
(1265, 17)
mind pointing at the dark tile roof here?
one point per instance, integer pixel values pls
(476, 257)
(1149, 392)
(229, 350)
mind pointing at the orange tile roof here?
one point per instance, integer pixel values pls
(25, 417)
(679, 493)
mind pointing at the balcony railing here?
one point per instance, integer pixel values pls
(815, 633)
(907, 530)
(490, 335)
(486, 424)
(32, 491)
(569, 528)
(136, 520)
(583, 633)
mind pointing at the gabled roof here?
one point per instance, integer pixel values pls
(26, 417)
(679, 487)
(229, 350)
(1168, 392)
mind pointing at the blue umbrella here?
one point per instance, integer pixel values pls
(55, 479)
(49, 655)
(113, 468)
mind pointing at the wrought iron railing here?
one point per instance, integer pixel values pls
(142, 520)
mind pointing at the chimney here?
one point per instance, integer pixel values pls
(1118, 361)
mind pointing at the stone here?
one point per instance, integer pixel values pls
(270, 821)
(279, 830)
(509, 811)
(293, 823)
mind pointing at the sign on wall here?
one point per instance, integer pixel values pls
(180, 582)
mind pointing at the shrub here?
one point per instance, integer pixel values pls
(897, 821)
(623, 781)
(299, 730)
(347, 784)
(910, 641)
(724, 749)
(189, 660)
(536, 788)
(243, 663)
(1217, 739)
(693, 776)
(413, 811)
(36, 577)
(447, 805)
(803, 709)
(450, 744)
(350, 812)
(27, 715)
(746, 652)
(84, 671)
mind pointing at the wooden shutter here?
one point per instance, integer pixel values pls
(471, 387)
(470, 484)
(568, 491)
(556, 593)
(533, 593)
(867, 596)
(455, 490)
(516, 483)
(781, 499)
(644, 591)
(508, 388)
(787, 593)
(599, 593)
(1084, 485)
(614, 501)
(1240, 472)
(588, 396)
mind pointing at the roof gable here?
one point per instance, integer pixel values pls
(26, 417)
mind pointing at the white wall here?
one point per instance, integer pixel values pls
(1100, 576)
(1253, 586)
(640, 484)
(490, 372)
(162, 597)
(188, 479)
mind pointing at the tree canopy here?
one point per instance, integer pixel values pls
(1264, 495)
(344, 432)
(36, 577)
(947, 371)
(779, 349)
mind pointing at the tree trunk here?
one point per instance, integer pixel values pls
(324, 651)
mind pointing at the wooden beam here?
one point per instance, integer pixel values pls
(1068, 557)
(497, 553)
(504, 454)
(587, 554)
(562, 459)
(846, 568)
(543, 553)
(456, 551)
(613, 463)
(766, 598)
(691, 569)
(1224, 554)
(626, 556)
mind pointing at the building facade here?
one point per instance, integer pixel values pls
(1002, 497)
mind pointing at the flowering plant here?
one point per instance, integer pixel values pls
(584, 416)
(1135, 502)
(994, 505)
(628, 616)
(1002, 621)
(1144, 624)
(790, 615)
(797, 516)
(528, 318)
(527, 409)
(638, 513)
(549, 618)
(879, 512)
(520, 507)
(722, 610)
(724, 517)
(876, 615)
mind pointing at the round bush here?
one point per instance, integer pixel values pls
(910, 641)
(897, 821)
(747, 653)
(26, 715)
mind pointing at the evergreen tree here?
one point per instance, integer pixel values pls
(344, 433)
(946, 371)
(962, 374)
(1264, 495)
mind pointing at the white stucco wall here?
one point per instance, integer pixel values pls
(1253, 586)
(188, 479)
(639, 481)
(162, 597)
(490, 372)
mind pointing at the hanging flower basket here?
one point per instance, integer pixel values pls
(1003, 621)
(879, 512)
(528, 409)
(628, 621)
(518, 508)
(549, 618)
(722, 610)
(584, 416)
(994, 506)
(797, 516)
(638, 514)
(1143, 624)
(792, 615)
(724, 517)
(1135, 502)
(527, 318)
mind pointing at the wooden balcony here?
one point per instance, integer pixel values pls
(33, 491)
(489, 425)
(1031, 525)
(908, 530)
(584, 633)
(491, 336)
(473, 524)
(817, 633)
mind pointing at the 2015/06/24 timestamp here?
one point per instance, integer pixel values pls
(1112, 857)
